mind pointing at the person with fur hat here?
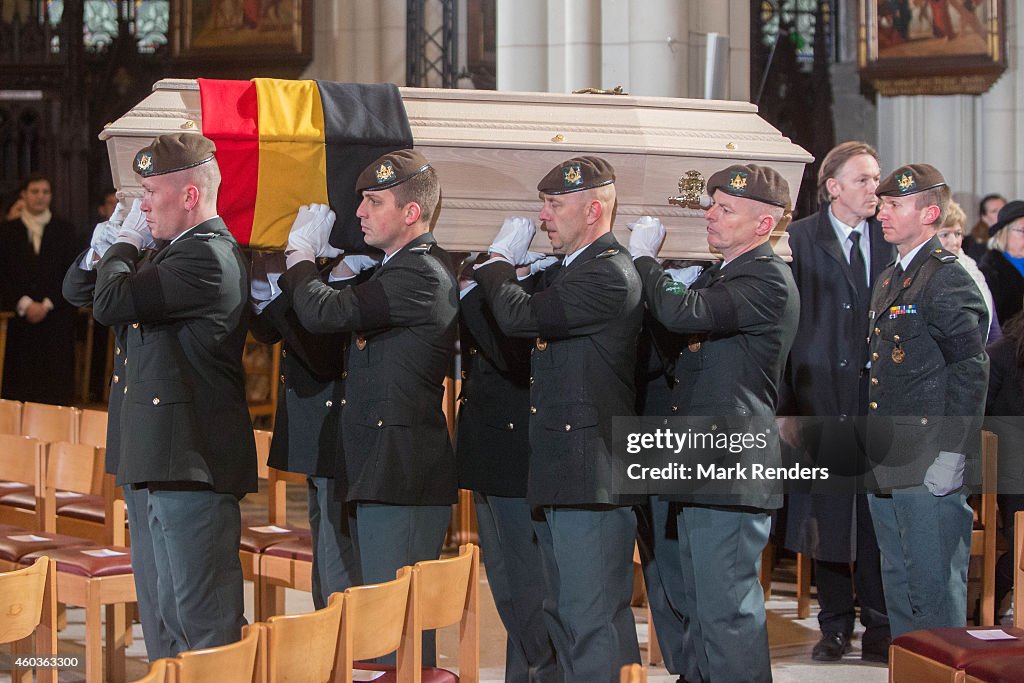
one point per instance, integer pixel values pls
(738, 321)
(1003, 264)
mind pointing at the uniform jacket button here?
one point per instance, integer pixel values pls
(344, 374)
(873, 405)
(878, 331)
(116, 379)
(924, 420)
(282, 379)
(568, 428)
(874, 381)
(126, 390)
(511, 426)
(843, 363)
(284, 353)
(533, 410)
(156, 400)
(117, 350)
(675, 409)
(135, 326)
(329, 403)
(874, 356)
(344, 402)
(380, 423)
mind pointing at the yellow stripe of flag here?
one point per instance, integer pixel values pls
(293, 157)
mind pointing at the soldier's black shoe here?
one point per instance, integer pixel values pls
(832, 646)
(877, 651)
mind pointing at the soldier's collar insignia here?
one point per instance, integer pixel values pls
(572, 176)
(673, 287)
(385, 172)
(143, 162)
(906, 182)
(738, 181)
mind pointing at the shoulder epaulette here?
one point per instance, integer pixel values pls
(420, 249)
(205, 236)
(943, 255)
(764, 258)
(608, 253)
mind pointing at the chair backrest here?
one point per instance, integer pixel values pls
(10, 416)
(632, 673)
(49, 423)
(160, 671)
(301, 647)
(372, 621)
(78, 467)
(21, 461)
(92, 427)
(442, 593)
(234, 663)
(22, 594)
(263, 438)
(1018, 578)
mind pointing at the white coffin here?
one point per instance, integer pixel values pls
(490, 149)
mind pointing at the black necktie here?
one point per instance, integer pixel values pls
(897, 276)
(858, 268)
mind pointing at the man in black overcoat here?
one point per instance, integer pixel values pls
(838, 254)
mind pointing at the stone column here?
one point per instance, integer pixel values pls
(574, 45)
(658, 47)
(521, 51)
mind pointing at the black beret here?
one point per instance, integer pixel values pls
(760, 183)
(576, 174)
(173, 152)
(1008, 214)
(394, 168)
(910, 179)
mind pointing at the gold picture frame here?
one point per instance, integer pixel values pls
(932, 47)
(257, 30)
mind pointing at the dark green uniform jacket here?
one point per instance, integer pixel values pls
(738, 324)
(403, 325)
(585, 319)
(929, 369)
(184, 417)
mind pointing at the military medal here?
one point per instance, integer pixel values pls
(898, 355)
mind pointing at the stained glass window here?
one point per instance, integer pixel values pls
(798, 17)
(147, 22)
(151, 18)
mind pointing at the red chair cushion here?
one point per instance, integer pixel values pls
(955, 648)
(91, 561)
(430, 674)
(256, 541)
(298, 548)
(88, 508)
(18, 544)
(26, 500)
(998, 669)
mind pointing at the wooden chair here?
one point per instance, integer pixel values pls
(372, 620)
(92, 427)
(632, 673)
(945, 654)
(160, 671)
(442, 593)
(803, 578)
(985, 532)
(29, 614)
(49, 423)
(234, 663)
(293, 567)
(10, 416)
(22, 457)
(262, 364)
(302, 647)
(91, 576)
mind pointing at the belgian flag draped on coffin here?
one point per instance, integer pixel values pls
(282, 144)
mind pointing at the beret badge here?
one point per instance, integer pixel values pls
(572, 175)
(906, 182)
(738, 181)
(385, 172)
(143, 162)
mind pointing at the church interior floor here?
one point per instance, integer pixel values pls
(791, 639)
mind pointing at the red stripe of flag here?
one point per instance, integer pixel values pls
(230, 119)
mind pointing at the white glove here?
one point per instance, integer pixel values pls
(946, 474)
(103, 235)
(120, 211)
(135, 229)
(513, 240)
(309, 235)
(646, 237)
(687, 275)
(352, 265)
(542, 263)
(266, 270)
